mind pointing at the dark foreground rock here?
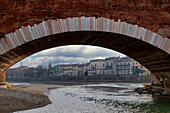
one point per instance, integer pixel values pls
(154, 90)
(13, 100)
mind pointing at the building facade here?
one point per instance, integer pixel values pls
(123, 66)
(110, 66)
(26, 72)
(107, 67)
(96, 67)
(80, 69)
(69, 70)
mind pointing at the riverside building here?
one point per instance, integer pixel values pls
(96, 67)
(123, 66)
(109, 66)
(69, 70)
(99, 67)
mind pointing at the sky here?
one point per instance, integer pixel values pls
(67, 55)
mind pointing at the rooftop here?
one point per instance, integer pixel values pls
(83, 64)
(97, 60)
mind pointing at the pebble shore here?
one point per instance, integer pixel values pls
(24, 97)
(154, 90)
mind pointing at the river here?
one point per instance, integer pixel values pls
(101, 98)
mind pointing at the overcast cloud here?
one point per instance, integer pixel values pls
(68, 54)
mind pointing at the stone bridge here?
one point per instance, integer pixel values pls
(139, 29)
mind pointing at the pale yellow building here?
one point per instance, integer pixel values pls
(96, 67)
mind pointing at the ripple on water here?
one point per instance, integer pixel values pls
(100, 98)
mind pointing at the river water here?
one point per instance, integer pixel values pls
(101, 98)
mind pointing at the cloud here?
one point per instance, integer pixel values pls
(99, 58)
(68, 54)
(76, 51)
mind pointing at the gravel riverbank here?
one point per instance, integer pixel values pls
(24, 97)
(154, 90)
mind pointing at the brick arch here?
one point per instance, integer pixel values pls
(19, 40)
(26, 34)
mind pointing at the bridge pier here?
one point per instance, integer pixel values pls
(3, 84)
(164, 84)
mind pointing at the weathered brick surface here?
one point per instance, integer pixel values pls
(153, 15)
(150, 14)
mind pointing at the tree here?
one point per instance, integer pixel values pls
(136, 70)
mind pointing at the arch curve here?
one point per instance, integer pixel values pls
(51, 27)
(145, 46)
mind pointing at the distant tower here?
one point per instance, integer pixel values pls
(49, 65)
(21, 64)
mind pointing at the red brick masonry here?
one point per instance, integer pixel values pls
(151, 14)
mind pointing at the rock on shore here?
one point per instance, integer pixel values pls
(154, 90)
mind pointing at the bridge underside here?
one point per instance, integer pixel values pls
(153, 58)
